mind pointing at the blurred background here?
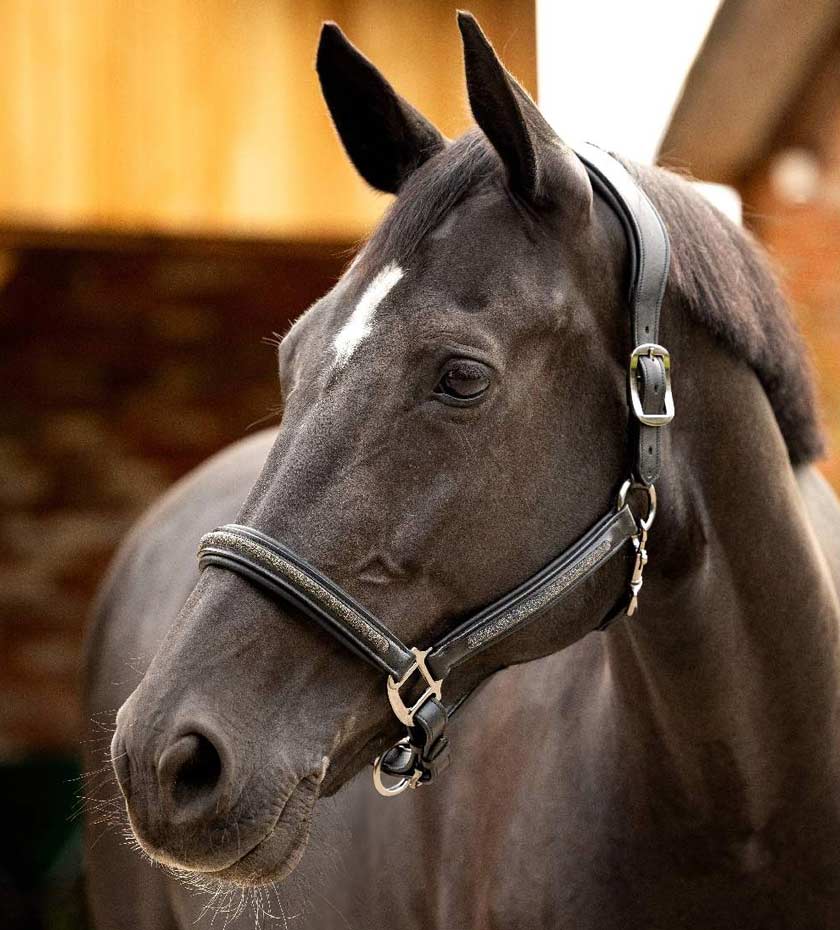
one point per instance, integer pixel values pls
(172, 193)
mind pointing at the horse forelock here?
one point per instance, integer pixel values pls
(430, 195)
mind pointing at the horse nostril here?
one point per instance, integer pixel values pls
(190, 771)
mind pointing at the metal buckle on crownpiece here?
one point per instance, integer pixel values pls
(651, 350)
(406, 714)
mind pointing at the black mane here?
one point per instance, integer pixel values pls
(432, 192)
(727, 286)
(721, 274)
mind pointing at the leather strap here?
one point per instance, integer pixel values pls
(650, 257)
(269, 564)
(427, 738)
(274, 568)
(545, 589)
(651, 383)
(427, 748)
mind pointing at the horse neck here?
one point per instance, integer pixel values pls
(728, 677)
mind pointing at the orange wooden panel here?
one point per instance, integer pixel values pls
(206, 117)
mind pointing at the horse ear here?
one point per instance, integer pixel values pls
(530, 149)
(384, 136)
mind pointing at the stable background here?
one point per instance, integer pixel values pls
(172, 194)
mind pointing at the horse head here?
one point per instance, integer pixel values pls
(454, 416)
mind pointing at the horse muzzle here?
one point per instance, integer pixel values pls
(190, 810)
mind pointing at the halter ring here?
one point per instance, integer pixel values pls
(631, 484)
(404, 783)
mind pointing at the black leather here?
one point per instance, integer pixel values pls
(274, 568)
(427, 737)
(650, 257)
(427, 749)
(400, 760)
(542, 590)
(651, 381)
(270, 565)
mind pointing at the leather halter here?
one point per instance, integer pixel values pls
(424, 750)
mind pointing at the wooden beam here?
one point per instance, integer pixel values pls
(15, 239)
(756, 60)
(205, 116)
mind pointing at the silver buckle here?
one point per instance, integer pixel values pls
(406, 714)
(651, 350)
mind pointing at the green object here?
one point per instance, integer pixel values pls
(41, 882)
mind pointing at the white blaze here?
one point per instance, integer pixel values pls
(358, 326)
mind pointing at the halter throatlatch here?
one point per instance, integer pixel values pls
(424, 750)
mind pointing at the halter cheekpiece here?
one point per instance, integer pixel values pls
(424, 750)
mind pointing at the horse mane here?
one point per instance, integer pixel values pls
(719, 272)
(725, 282)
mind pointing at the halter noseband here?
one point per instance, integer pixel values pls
(424, 751)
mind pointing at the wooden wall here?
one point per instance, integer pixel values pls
(205, 116)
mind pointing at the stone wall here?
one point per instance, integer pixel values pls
(123, 366)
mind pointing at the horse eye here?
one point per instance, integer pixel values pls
(464, 379)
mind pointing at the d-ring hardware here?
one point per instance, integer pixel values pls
(407, 781)
(406, 714)
(649, 490)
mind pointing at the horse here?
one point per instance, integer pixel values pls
(455, 414)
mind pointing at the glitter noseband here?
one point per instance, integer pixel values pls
(424, 750)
